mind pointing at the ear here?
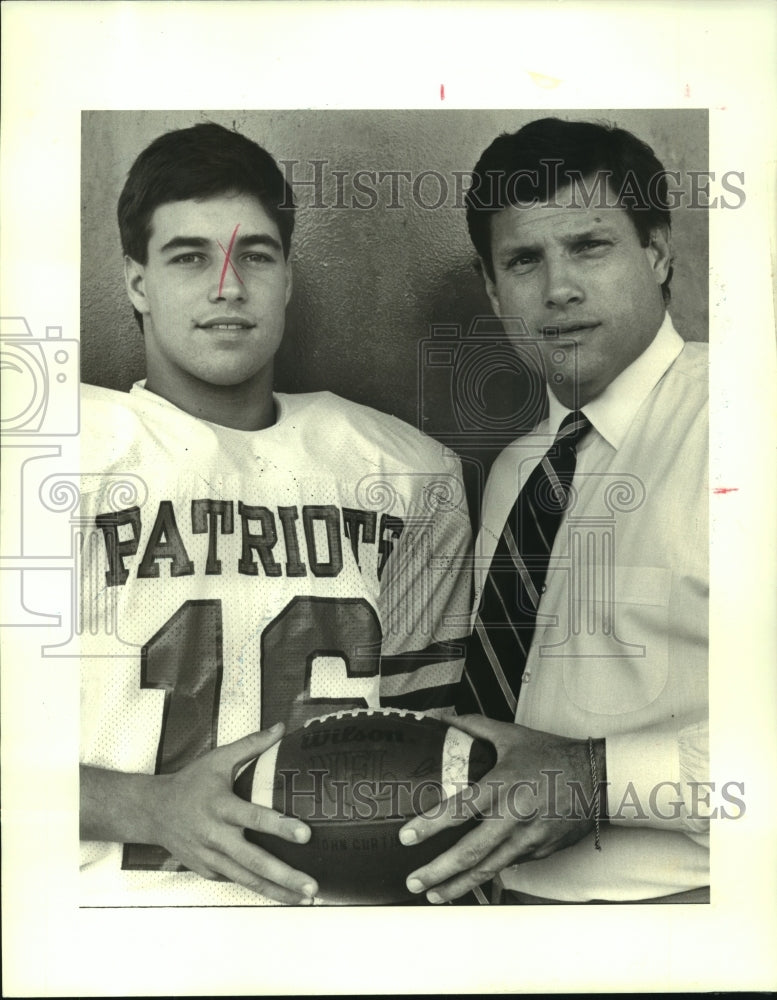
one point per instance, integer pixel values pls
(134, 279)
(659, 252)
(491, 290)
(289, 281)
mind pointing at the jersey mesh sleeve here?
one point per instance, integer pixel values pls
(425, 596)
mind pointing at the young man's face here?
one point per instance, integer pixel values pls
(213, 295)
(581, 271)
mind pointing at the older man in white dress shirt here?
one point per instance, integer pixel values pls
(599, 790)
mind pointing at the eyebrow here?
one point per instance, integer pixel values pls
(569, 239)
(242, 242)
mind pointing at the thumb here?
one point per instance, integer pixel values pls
(481, 727)
(245, 749)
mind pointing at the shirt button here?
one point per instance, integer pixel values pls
(543, 588)
(526, 676)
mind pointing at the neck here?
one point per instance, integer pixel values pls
(248, 406)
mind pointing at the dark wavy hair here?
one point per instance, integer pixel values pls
(546, 155)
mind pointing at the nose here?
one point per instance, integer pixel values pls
(562, 284)
(227, 284)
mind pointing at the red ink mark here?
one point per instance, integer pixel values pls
(231, 264)
(726, 489)
(228, 259)
(687, 90)
(442, 91)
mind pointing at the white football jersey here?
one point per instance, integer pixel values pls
(232, 579)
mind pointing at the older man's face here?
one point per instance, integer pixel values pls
(580, 271)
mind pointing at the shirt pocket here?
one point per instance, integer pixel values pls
(617, 659)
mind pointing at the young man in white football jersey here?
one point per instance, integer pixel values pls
(252, 560)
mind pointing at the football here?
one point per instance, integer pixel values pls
(356, 777)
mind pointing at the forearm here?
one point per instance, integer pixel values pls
(118, 807)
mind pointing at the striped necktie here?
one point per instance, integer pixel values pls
(506, 618)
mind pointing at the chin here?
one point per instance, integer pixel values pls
(229, 377)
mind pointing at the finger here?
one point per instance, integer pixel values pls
(195, 865)
(241, 751)
(477, 800)
(486, 869)
(264, 865)
(300, 892)
(482, 727)
(466, 856)
(249, 815)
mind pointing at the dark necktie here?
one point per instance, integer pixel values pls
(505, 623)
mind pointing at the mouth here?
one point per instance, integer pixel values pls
(226, 324)
(566, 329)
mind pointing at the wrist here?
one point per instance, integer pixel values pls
(148, 795)
(600, 758)
(597, 760)
(120, 807)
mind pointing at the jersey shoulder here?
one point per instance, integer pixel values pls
(377, 438)
(111, 426)
(96, 398)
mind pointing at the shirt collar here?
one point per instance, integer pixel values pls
(613, 410)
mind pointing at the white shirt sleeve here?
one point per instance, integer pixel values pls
(658, 777)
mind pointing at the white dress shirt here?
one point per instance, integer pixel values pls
(621, 649)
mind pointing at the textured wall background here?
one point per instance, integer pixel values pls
(370, 283)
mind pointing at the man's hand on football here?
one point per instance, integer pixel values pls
(197, 817)
(532, 804)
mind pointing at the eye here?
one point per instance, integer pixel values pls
(188, 258)
(522, 262)
(258, 257)
(592, 245)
